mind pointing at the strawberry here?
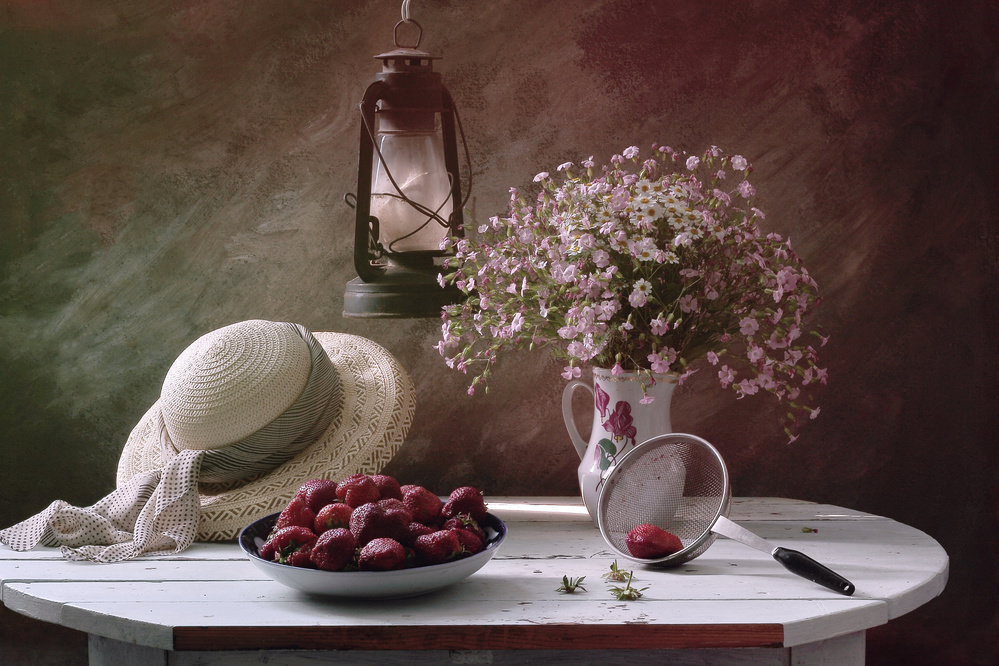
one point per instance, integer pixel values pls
(296, 513)
(334, 549)
(470, 542)
(388, 486)
(438, 547)
(285, 542)
(382, 555)
(357, 489)
(373, 520)
(317, 493)
(649, 542)
(417, 529)
(465, 500)
(393, 506)
(330, 516)
(426, 506)
(302, 558)
(465, 522)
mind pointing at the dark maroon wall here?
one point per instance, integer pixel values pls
(168, 166)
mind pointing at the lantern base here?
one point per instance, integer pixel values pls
(396, 294)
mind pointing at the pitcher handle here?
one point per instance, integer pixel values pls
(570, 422)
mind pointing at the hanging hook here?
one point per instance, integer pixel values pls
(419, 35)
(407, 19)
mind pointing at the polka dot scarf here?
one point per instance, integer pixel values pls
(154, 512)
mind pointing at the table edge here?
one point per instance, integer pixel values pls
(489, 637)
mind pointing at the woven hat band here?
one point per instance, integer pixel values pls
(295, 428)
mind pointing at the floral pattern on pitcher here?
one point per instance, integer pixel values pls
(619, 423)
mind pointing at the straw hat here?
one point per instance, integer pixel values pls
(272, 406)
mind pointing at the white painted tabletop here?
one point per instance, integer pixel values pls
(211, 597)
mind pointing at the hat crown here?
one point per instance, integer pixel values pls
(232, 382)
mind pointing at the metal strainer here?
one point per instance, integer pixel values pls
(679, 483)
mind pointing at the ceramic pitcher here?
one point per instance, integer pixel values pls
(623, 417)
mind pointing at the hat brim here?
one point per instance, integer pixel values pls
(379, 402)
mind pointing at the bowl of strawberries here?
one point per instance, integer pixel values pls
(368, 537)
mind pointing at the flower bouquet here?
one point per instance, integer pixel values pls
(641, 265)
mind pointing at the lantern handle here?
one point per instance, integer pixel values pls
(419, 36)
(406, 19)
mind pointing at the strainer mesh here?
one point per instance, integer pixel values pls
(677, 484)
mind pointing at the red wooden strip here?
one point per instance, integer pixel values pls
(492, 637)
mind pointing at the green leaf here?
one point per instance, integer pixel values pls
(570, 585)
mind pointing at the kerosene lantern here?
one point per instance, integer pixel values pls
(408, 187)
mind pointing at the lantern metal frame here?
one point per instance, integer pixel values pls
(394, 284)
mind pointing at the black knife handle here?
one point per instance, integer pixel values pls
(806, 567)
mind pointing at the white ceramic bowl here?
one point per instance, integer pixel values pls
(369, 584)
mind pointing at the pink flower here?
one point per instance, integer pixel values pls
(659, 326)
(630, 152)
(693, 162)
(748, 326)
(722, 196)
(646, 399)
(686, 373)
(601, 258)
(570, 372)
(787, 278)
(745, 189)
(600, 400)
(446, 333)
(471, 390)
(688, 303)
(619, 198)
(712, 358)
(726, 376)
(620, 422)
(617, 370)
(659, 364)
(541, 176)
(747, 387)
(739, 163)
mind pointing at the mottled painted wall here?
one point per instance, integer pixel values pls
(171, 166)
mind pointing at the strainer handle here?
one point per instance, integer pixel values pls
(804, 566)
(570, 421)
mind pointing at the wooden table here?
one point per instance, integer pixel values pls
(733, 604)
